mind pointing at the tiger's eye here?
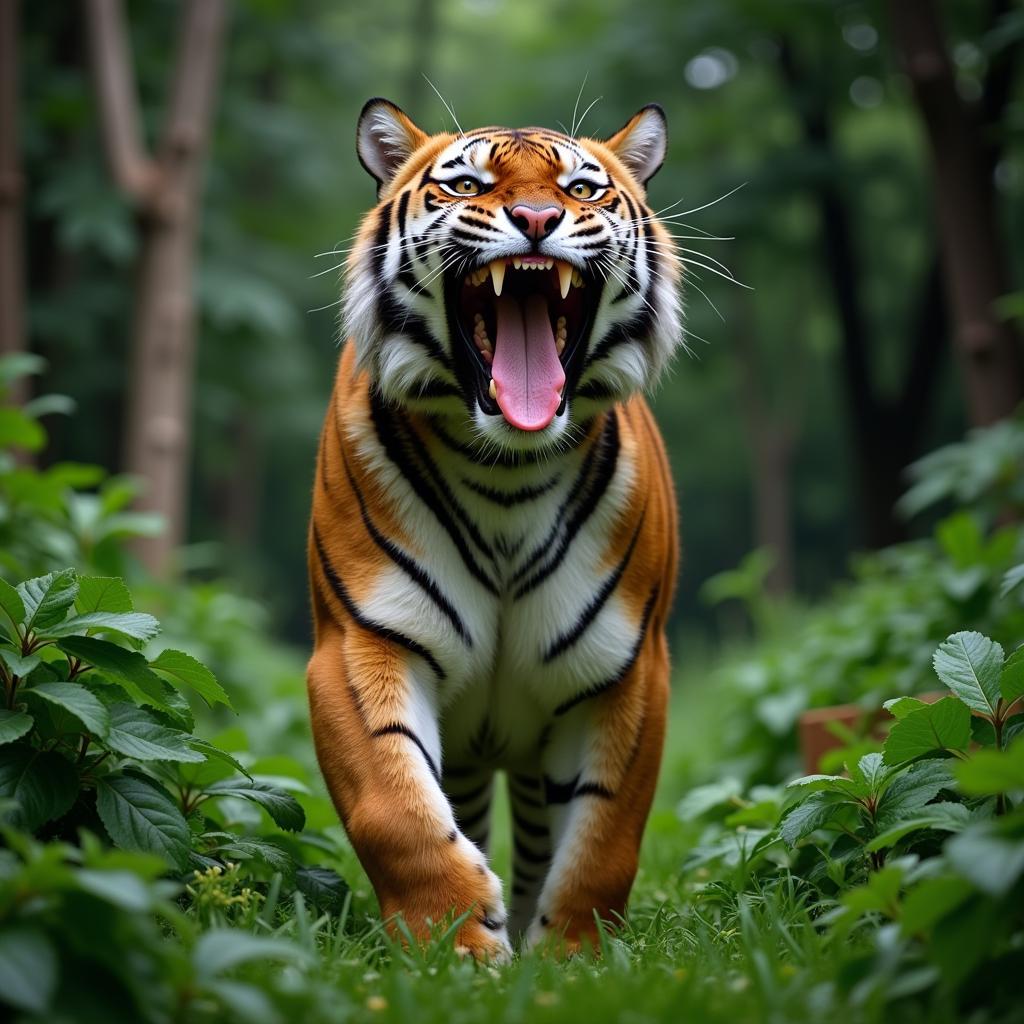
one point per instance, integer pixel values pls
(581, 190)
(466, 187)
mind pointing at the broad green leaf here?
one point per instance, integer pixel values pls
(124, 889)
(701, 799)
(102, 594)
(19, 431)
(815, 812)
(930, 901)
(44, 785)
(990, 861)
(78, 701)
(910, 790)
(19, 664)
(214, 753)
(324, 888)
(1012, 580)
(136, 733)
(944, 817)
(1011, 683)
(970, 665)
(856, 789)
(249, 848)
(181, 669)
(47, 599)
(13, 725)
(128, 669)
(11, 603)
(28, 969)
(989, 772)
(944, 725)
(286, 811)
(873, 772)
(140, 816)
(221, 949)
(135, 625)
(900, 707)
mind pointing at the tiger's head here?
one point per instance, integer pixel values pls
(515, 275)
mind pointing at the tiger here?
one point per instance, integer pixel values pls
(493, 537)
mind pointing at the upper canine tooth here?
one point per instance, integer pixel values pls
(497, 268)
(577, 279)
(565, 273)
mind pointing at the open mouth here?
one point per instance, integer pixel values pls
(524, 322)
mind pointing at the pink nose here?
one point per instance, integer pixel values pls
(534, 223)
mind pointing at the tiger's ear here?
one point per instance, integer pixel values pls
(385, 139)
(641, 142)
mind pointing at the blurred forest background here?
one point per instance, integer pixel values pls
(843, 146)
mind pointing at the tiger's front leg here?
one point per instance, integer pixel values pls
(377, 740)
(600, 772)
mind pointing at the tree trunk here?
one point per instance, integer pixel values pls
(12, 326)
(167, 191)
(965, 206)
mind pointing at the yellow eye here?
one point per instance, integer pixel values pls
(462, 187)
(582, 190)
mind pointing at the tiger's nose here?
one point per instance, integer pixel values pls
(534, 223)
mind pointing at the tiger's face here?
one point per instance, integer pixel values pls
(514, 276)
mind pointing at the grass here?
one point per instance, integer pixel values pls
(693, 947)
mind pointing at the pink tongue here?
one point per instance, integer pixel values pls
(527, 374)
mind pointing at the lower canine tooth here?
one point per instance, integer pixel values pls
(577, 280)
(492, 390)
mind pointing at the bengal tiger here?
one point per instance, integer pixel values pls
(493, 547)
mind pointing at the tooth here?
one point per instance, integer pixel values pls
(487, 355)
(497, 268)
(564, 278)
(577, 279)
(548, 264)
(517, 263)
(492, 390)
(560, 345)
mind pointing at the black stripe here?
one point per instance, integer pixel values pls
(473, 794)
(525, 876)
(384, 632)
(593, 789)
(559, 792)
(464, 771)
(396, 319)
(507, 460)
(466, 236)
(590, 167)
(572, 636)
(519, 890)
(509, 498)
(397, 729)
(475, 818)
(523, 853)
(603, 473)
(530, 828)
(613, 205)
(393, 448)
(434, 388)
(403, 209)
(412, 569)
(476, 222)
(595, 391)
(380, 240)
(599, 688)
(595, 230)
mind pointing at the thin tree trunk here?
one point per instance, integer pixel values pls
(12, 326)
(167, 191)
(965, 206)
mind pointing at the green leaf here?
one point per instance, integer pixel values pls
(944, 725)
(286, 811)
(990, 861)
(13, 725)
(135, 625)
(221, 949)
(11, 603)
(181, 669)
(872, 771)
(1011, 682)
(140, 816)
(48, 598)
(43, 785)
(854, 788)
(77, 701)
(900, 707)
(28, 969)
(128, 669)
(970, 665)
(1012, 580)
(910, 790)
(20, 665)
(214, 753)
(18, 431)
(324, 888)
(814, 813)
(990, 772)
(136, 733)
(102, 594)
(945, 817)
(250, 848)
(930, 901)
